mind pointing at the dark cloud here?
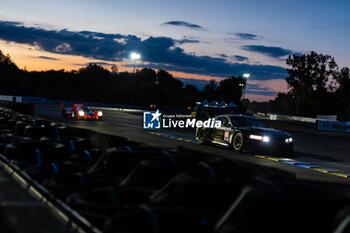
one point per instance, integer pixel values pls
(240, 58)
(256, 87)
(245, 36)
(158, 52)
(200, 84)
(97, 63)
(186, 40)
(222, 55)
(183, 24)
(235, 57)
(265, 93)
(85, 43)
(275, 52)
(210, 66)
(48, 58)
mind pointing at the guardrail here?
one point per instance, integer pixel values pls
(323, 122)
(272, 116)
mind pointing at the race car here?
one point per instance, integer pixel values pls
(80, 111)
(247, 134)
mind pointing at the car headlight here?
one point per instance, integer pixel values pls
(259, 138)
(99, 114)
(81, 113)
(289, 140)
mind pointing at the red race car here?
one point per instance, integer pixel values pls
(80, 111)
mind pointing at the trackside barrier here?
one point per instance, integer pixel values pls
(322, 122)
(8, 98)
(23, 99)
(34, 100)
(327, 117)
(334, 126)
(287, 117)
(24, 108)
(271, 116)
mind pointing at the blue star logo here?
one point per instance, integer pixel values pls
(152, 120)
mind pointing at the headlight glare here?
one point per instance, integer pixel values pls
(259, 138)
(289, 140)
(256, 137)
(81, 113)
(99, 114)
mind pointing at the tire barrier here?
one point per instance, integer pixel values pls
(6, 138)
(80, 182)
(42, 172)
(105, 200)
(89, 156)
(39, 150)
(128, 187)
(75, 144)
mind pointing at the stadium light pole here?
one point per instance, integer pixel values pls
(246, 76)
(135, 57)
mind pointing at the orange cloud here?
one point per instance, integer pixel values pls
(28, 57)
(195, 76)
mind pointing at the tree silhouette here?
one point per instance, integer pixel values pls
(192, 94)
(231, 89)
(114, 69)
(210, 90)
(343, 79)
(167, 81)
(307, 81)
(343, 93)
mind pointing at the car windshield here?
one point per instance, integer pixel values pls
(247, 121)
(86, 109)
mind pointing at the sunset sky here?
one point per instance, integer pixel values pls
(194, 40)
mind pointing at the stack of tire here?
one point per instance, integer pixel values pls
(132, 188)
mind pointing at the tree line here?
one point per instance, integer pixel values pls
(94, 83)
(316, 85)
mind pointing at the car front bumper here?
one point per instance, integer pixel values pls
(86, 117)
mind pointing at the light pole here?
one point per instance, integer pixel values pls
(246, 76)
(134, 56)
